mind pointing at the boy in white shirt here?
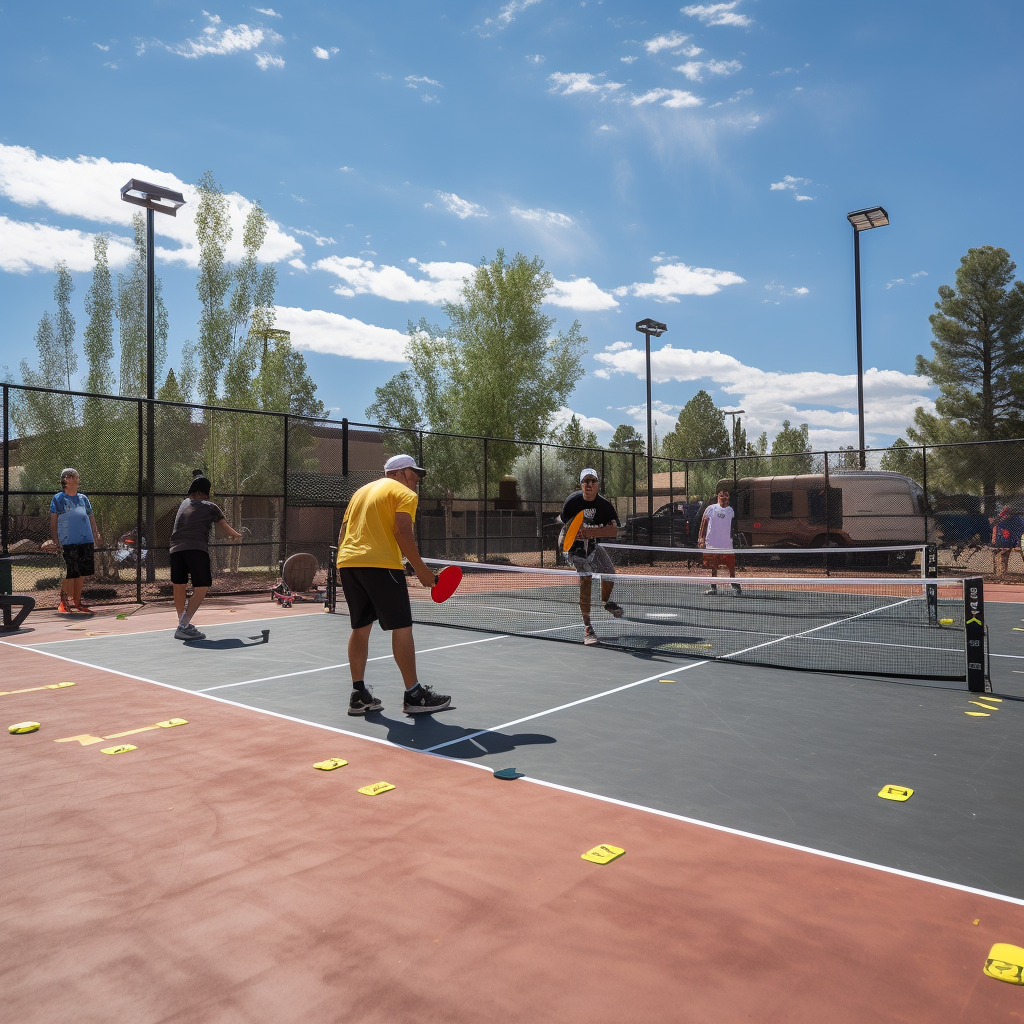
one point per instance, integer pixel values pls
(716, 532)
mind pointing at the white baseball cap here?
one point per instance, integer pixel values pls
(584, 473)
(403, 462)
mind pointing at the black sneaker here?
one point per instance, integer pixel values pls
(425, 701)
(616, 610)
(589, 636)
(362, 702)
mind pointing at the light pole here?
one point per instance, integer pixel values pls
(650, 328)
(152, 198)
(862, 220)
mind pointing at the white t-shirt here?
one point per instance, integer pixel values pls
(719, 531)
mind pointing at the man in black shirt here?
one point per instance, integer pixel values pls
(586, 555)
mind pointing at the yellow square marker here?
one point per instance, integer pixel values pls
(993, 700)
(330, 764)
(899, 793)
(376, 788)
(1005, 963)
(978, 714)
(123, 749)
(172, 722)
(602, 854)
(987, 707)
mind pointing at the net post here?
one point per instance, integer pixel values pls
(4, 527)
(332, 579)
(138, 514)
(283, 551)
(484, 559)
(540, 461)
(974, 631)
(930, 571)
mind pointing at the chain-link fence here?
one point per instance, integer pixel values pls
(284, 481)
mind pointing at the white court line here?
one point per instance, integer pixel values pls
(550, 785)
(562, 707)
(342, 664)
(1016, 657)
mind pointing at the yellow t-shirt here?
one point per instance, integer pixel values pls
(368, 532)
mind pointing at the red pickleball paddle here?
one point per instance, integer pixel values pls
(448, 580)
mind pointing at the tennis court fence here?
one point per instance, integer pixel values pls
(286, 480)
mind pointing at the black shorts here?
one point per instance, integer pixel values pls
(79, 560)
(380, 594)
(193, 563)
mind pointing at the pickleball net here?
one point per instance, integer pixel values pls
(911, 628)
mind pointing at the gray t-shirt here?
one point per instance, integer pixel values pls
(192, 525)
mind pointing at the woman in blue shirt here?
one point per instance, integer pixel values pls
(74, 532)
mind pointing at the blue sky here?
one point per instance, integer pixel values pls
(690, 163)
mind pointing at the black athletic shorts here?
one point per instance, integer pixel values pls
(380, 594)
(192, 563)
(79, 560)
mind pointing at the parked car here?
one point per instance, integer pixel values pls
(676, 525)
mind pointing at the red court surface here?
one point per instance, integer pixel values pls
(213, 875)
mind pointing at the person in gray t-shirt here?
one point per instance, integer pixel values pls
(190, 553)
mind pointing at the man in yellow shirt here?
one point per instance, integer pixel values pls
(375, 534)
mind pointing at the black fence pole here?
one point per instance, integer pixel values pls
(634, 484)
(924, 487)
(540, 518)
(4, 523)
(344, 446)
(484, 559)
(139, 544)
(283, 529)
(828, 539)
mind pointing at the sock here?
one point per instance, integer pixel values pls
(360, 685)
(413, 690)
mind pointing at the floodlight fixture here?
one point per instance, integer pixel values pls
(650, 328)
(862, 220)
(152, 197)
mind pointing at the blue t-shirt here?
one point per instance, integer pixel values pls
(73, 526)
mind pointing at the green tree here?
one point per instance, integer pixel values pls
(213, 232)
(701, 438)
(99, 331)
(626, 439)
(902, 458)
(791, 450)
(579, 449)
(978, 348)
(495, 372)
(64, 325)
(131, 315)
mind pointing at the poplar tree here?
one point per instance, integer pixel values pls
(131, 316)
(99, 331)
(64, 324)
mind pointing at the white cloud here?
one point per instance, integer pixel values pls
(111, 65)
(297, 264)
(25, 247)
(315, 330)
(268, 11)
(100, 46)
(677, 279)
(414, 81)
(920, 273)
(579, 81)
(565, 414)
(346, 168)
(784, 292)
(827, 401)
(695, 69)
(605, 128)
(629, 59)
(717, 14)
(689, 51)
(669, 42)
(428, 98)
(899, 280)
(443, 281)
(316, 236)
(508, 13)
(217, 41)
(535, 58)
(671, 98)
(791, 184)
(548, 217)
(324, 54)
(462, 208)
(268, 60)
(580, 293)
(89, 188)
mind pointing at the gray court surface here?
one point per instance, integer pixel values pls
(794, 756)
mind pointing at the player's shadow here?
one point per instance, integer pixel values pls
(228, 644)
(422, 732)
